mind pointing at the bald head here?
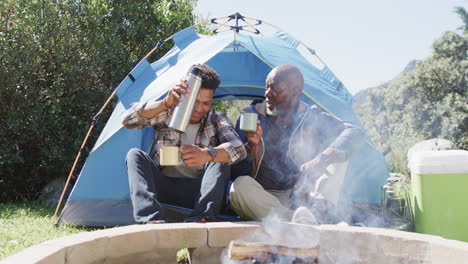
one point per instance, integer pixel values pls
(289, 74)
(283, 89)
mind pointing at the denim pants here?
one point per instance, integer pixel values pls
(149, 186)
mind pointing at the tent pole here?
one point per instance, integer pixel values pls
(159, 45)
(220, 25)
(237, 26)
(252, 26)
(209, 20)
(95, 120)
(263, 21)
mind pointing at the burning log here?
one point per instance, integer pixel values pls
(264, 253)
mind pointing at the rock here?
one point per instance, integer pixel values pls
(411, 65)
(50, 194)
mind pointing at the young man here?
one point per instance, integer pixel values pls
(209, 143)
(292, 147)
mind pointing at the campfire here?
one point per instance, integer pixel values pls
(260, 252)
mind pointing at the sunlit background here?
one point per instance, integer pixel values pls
(365, 42)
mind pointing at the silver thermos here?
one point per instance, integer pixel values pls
(396, 203)
(183, 111)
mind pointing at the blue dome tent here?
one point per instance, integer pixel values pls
(101, 196)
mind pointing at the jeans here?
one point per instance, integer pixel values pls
(149, 186)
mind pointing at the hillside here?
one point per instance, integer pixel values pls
(426, 100)
(361, 96)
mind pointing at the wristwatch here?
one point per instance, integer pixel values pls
(213, 153)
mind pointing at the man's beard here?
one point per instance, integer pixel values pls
(279, 111)
(272, 112)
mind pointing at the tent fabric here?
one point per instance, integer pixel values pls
(101, 196)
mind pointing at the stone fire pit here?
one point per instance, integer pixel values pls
(159, 244)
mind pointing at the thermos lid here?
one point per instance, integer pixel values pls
(196, 71)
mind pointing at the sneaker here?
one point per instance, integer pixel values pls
(302, 215)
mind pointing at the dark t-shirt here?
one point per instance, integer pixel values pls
(277, 168)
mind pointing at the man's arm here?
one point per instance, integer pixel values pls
(195, 156)
(243, 167)
(230, 150)
(254, 139)
(348, 139)
(136, 116)
(142, 115)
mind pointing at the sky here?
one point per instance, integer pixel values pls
(364, 42)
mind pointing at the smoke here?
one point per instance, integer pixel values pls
(326, 196)
(322, 194)
(275, 231)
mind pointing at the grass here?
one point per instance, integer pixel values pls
(182, 256)
(28, 223)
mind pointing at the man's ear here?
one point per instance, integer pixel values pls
(298, 92)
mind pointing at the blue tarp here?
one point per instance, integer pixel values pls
(100, 196)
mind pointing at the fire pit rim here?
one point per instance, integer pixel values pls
(212, 236)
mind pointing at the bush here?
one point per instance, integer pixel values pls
(60, 60)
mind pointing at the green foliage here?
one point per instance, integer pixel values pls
(60, 60)
(464, 17)
(26, 224)
(232, 108)
(445, 71)
(428, 102)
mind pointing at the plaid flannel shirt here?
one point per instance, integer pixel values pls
(215, 130)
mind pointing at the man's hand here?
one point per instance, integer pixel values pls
(194, 156)
(314, 168)
(174, 96)
(254, 137)
(307, 178)
(309, 172)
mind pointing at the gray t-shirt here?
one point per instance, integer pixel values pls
(181, 170)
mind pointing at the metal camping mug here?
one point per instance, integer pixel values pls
(248, 121)
(183, 111)
(169, 156)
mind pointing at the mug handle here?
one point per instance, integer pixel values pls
(179, 150)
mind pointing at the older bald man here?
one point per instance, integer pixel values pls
(293, 146)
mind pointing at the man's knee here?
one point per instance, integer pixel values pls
(216, 165)
(133, 155)
(241, 186)
(214, 168)
(243, 182)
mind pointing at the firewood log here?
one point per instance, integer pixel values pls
(239, 250)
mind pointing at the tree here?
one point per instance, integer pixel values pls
(464, 17)
(60, 60)
(445, 72)
(427, 102)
